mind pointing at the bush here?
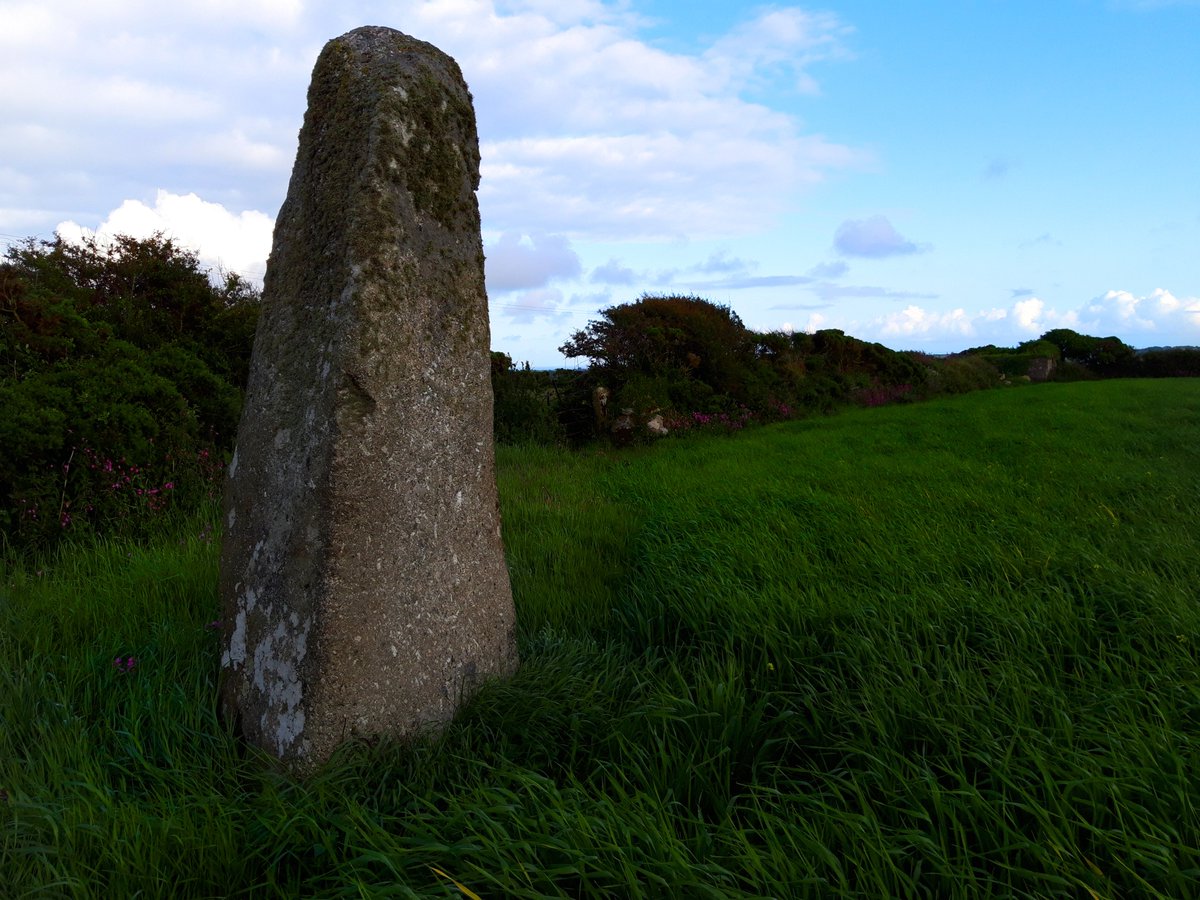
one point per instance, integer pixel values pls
(960, 374)
(1107, 356)
(524, 404)
(121, 376)
(686, 356)
(1170, 362)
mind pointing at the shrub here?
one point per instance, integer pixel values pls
(1107, 356)
(1170, 362)
(121, 376)
(524, 404)
(961, 373)
(686, 356)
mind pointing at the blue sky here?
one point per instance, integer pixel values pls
(931, 175)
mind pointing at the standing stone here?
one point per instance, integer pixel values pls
(362, 574)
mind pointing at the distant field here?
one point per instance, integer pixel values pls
(948, 650)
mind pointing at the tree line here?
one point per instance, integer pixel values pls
(123, 364)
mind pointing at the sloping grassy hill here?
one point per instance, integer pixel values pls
(944, 650)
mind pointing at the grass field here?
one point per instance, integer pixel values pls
(943, 650)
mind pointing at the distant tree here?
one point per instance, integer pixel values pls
(656, 334)
(1104, 356)
(687, 354)
(670, 351)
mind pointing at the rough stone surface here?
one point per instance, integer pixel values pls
(657, 427)
(362, 574)
(1041, 368)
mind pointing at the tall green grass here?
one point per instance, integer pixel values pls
(945, 650)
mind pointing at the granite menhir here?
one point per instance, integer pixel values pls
(362, 574)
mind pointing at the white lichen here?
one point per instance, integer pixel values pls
(235, 655)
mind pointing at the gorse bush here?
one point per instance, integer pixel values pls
(121, 375)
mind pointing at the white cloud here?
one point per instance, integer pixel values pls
(1158, 317)
(955, 329)
(235, 242)
(1028, 314)
(233, 149)
(816, 322)
(914, 320)
(520, 262)
(586, 129)
(787, 40)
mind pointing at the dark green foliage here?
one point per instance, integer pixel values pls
(961, 373)
(121, 374)
(1080, 357)
(1018, 362)
(673, 352)
(684, 355)
(524, 404)
(847, 369)
(1108, 356)
(1170, 362)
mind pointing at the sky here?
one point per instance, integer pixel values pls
(930, 174)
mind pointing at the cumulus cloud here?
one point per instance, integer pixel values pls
(521, 262)
(1158, 317)
(195, 95)
(915, 320)
(1028, 314)
(956, 328)
(816, 322)
(873, 238)
(587, 129)
(235, 242)
(650, 185)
